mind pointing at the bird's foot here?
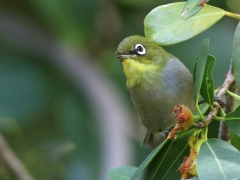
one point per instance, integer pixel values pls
(216, 99)
(171, 132)
(220, 101)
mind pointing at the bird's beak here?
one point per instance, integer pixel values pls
(123, 55)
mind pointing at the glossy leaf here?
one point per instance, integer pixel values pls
(236, 54)
(191, 8)
(218, 160)
(167, 161)
(199, 68)
(122, 173)
(234, 5)
(207, 88)
(195, 178)
(233, 121)
(165, 25)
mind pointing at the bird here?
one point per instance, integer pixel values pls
(156, 81)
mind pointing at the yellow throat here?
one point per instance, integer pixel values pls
(140, 74)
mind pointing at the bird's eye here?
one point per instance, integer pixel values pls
(140, 50)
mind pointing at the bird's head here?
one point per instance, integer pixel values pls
(140, 49)
(142, 60)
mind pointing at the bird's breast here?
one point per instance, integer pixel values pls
(159, 93)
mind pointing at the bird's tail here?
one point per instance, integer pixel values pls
(153, 140)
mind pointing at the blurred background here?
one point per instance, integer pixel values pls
(64, 109)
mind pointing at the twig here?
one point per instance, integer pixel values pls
(228, 81)
(230, 102)
(12, 162)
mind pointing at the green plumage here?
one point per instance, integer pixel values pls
(156, 81)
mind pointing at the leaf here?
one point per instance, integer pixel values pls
(194, 178)
(199, 68)
(149, 158)
(165, 26)
(204, 107)
(232, 120)
(207, 87)
(234, 5)
(191, 8)
(122, 173)
(236, 55)
(235, 140)
(218, 160)
(167, 161)
(214, 129)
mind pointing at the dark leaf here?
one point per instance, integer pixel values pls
(233, 121)
(236, 55)
(166, 163)
(234, 5)
(207, 88)
(150, 157)
(235, 140)
(199, 68)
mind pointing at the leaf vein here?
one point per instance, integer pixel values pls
(220, 167)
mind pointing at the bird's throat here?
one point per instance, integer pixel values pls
(139, 75)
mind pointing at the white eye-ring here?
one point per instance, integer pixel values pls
(139, 49)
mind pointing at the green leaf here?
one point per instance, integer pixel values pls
(214, 129)
(195, 178)
(149, 158)
(199, 68)
(165, 26)
(191, 8)
(235, 140)
(204, 107)
(236, 55)
(207, 87)
(122, 173)
(234, 5)
(232, 120)
(166, 162)
(218, 160)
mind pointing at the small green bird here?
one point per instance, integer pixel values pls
(156, 82)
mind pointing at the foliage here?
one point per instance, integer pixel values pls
(51, 104)
(209, 158)
(161, 21)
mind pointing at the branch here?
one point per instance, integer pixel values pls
(228, 81)
(11, 161)
(230, 102)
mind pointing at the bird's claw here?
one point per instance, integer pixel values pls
(219, 100)
(216, 99)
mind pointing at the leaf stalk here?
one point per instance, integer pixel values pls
(232, 15)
